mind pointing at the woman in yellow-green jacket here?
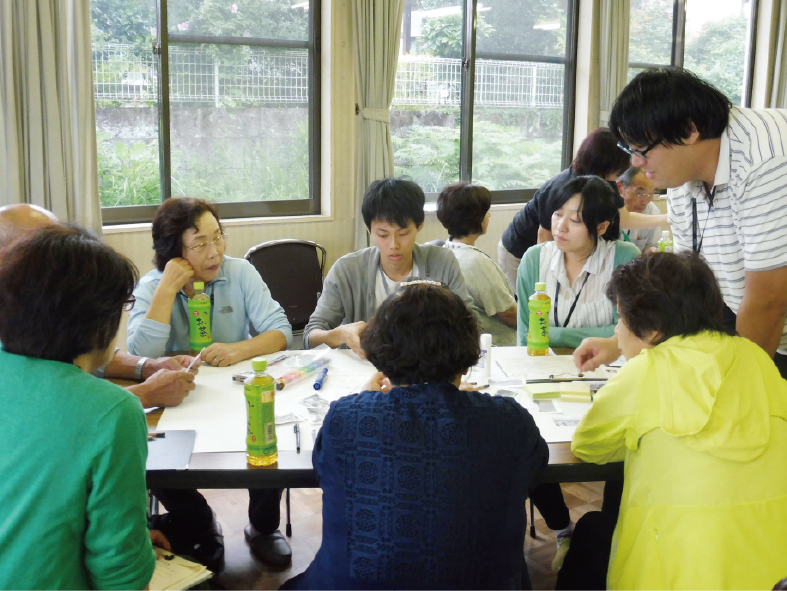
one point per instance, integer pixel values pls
(700, 419)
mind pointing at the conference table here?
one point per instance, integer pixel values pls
(229, 469)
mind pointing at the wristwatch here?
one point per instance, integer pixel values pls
(138, 370)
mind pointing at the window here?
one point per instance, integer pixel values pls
(217, 99)
(712, 38)
(492, 104)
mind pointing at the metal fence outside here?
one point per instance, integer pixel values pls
(256, 76)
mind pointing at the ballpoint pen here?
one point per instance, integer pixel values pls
(297, 430)
(195, 360)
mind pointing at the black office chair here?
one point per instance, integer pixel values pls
(293, 271)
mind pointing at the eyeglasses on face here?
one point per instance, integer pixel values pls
(641, 153)
(203, 247)
(128, 305)
(642, 194)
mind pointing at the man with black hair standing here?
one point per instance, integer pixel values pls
(725, 168)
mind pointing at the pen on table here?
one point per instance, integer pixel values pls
(195, 360)
(297, 430)
(320, 378)
(156, 435)
(278, 359)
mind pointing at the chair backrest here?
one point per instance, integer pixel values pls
(293, 271)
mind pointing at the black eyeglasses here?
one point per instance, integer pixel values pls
(128, 305)
(640, 153)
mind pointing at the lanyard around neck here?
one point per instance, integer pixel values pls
(574, 305)
(695, 224)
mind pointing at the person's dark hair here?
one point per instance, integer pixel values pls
(661, 105)
(173, 217)
(462, 207)
(597, 205)
(62, 293)
(599, 155)
(672, 294)
(422, 334)
(393, 201)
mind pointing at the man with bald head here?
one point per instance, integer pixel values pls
(165, 383)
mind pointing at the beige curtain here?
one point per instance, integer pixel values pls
(377, 26)
(613, 37)
(776, 93)
(47, 109)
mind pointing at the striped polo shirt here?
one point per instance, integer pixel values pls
(745, 229)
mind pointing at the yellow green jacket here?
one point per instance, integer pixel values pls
(701, 423)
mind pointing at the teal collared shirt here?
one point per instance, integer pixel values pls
(240, 300)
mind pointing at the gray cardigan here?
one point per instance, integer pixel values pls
(348, 292)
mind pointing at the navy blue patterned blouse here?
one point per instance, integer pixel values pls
(424, 488)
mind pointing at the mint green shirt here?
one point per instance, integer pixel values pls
(72, 492)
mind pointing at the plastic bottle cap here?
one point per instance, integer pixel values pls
(198, 285)
(541, 286)
(665, 234)
(259, 364)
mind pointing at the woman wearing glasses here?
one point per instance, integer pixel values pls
(189, 244)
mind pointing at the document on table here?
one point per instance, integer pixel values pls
(174, 573)
(546, 367)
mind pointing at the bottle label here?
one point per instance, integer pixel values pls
(199, 324)
(538, 331)
(261, 423)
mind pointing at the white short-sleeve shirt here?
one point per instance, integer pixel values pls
(489, 288)
(745, 229)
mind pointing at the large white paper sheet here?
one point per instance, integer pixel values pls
(544, 368)
(216, 408)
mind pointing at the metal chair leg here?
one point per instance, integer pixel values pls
(532, 520)
(288, 529)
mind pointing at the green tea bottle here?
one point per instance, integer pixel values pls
(199, 320)
(259, 390)
(665, 244)
(539, 305)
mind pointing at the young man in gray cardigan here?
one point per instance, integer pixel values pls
(393, 210)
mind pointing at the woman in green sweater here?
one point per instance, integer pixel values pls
(577, 265)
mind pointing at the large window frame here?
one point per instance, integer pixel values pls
(295, 207)
(679, 46)
(469, 56)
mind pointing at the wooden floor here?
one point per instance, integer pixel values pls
(243, 571)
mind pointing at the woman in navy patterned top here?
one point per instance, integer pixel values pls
(424, 486)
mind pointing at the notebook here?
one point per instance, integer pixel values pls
(174, 573)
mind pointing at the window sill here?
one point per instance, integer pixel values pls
(232, 222)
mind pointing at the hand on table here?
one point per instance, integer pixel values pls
(177, 273)
(166, 387)
(222, 354)
(175, 363)
(594, 351)
(352, 337)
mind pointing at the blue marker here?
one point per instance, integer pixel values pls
(320, 378)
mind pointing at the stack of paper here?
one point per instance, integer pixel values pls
(543, 391)
(575, 392)
(175, 573)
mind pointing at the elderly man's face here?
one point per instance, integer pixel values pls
(638, 194)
